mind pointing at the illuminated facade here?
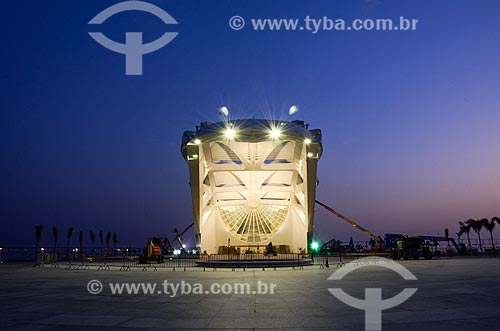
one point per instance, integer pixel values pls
(252, 182)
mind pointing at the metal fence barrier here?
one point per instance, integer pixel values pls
(126, 262)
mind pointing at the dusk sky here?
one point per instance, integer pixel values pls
(410, 119)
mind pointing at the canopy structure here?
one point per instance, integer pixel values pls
(252, 182)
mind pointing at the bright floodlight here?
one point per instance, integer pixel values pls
(197, 141)
(314, 246)
(293, 109)
(275, 133)
(230, 133)
(307, 141)
(224, 111)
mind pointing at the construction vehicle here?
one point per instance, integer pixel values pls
(380, 246)
(405, 247)
(401, 246)
(178, 237)
(157, 248)
(416, 246)
(152, 251)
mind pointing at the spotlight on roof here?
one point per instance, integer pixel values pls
(293, 109)
(197, 141)
(275, 133)
(307, 141)
(230, 133)
(224, 111)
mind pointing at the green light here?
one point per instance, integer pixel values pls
(314, 246)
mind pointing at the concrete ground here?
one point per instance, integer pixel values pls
(453, 294)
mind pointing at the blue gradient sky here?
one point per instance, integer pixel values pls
(410, 120)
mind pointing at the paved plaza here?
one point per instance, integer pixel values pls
(453, 294)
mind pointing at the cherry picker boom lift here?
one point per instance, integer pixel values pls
(351, 222)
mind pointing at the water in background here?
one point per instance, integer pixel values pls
(28, 253)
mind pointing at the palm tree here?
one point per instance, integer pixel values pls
(100, 239)
(80, 240)
(115, 240)
(55, 235)
(477, 226)
(68, 237)
(466, 226)
(38, 235)
(108, 238)
(489, 226)
(92, 239)
(496, 219)
(460, 232)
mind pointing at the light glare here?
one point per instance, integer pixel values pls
(230, 133)
(275, 133)
(314, 246)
